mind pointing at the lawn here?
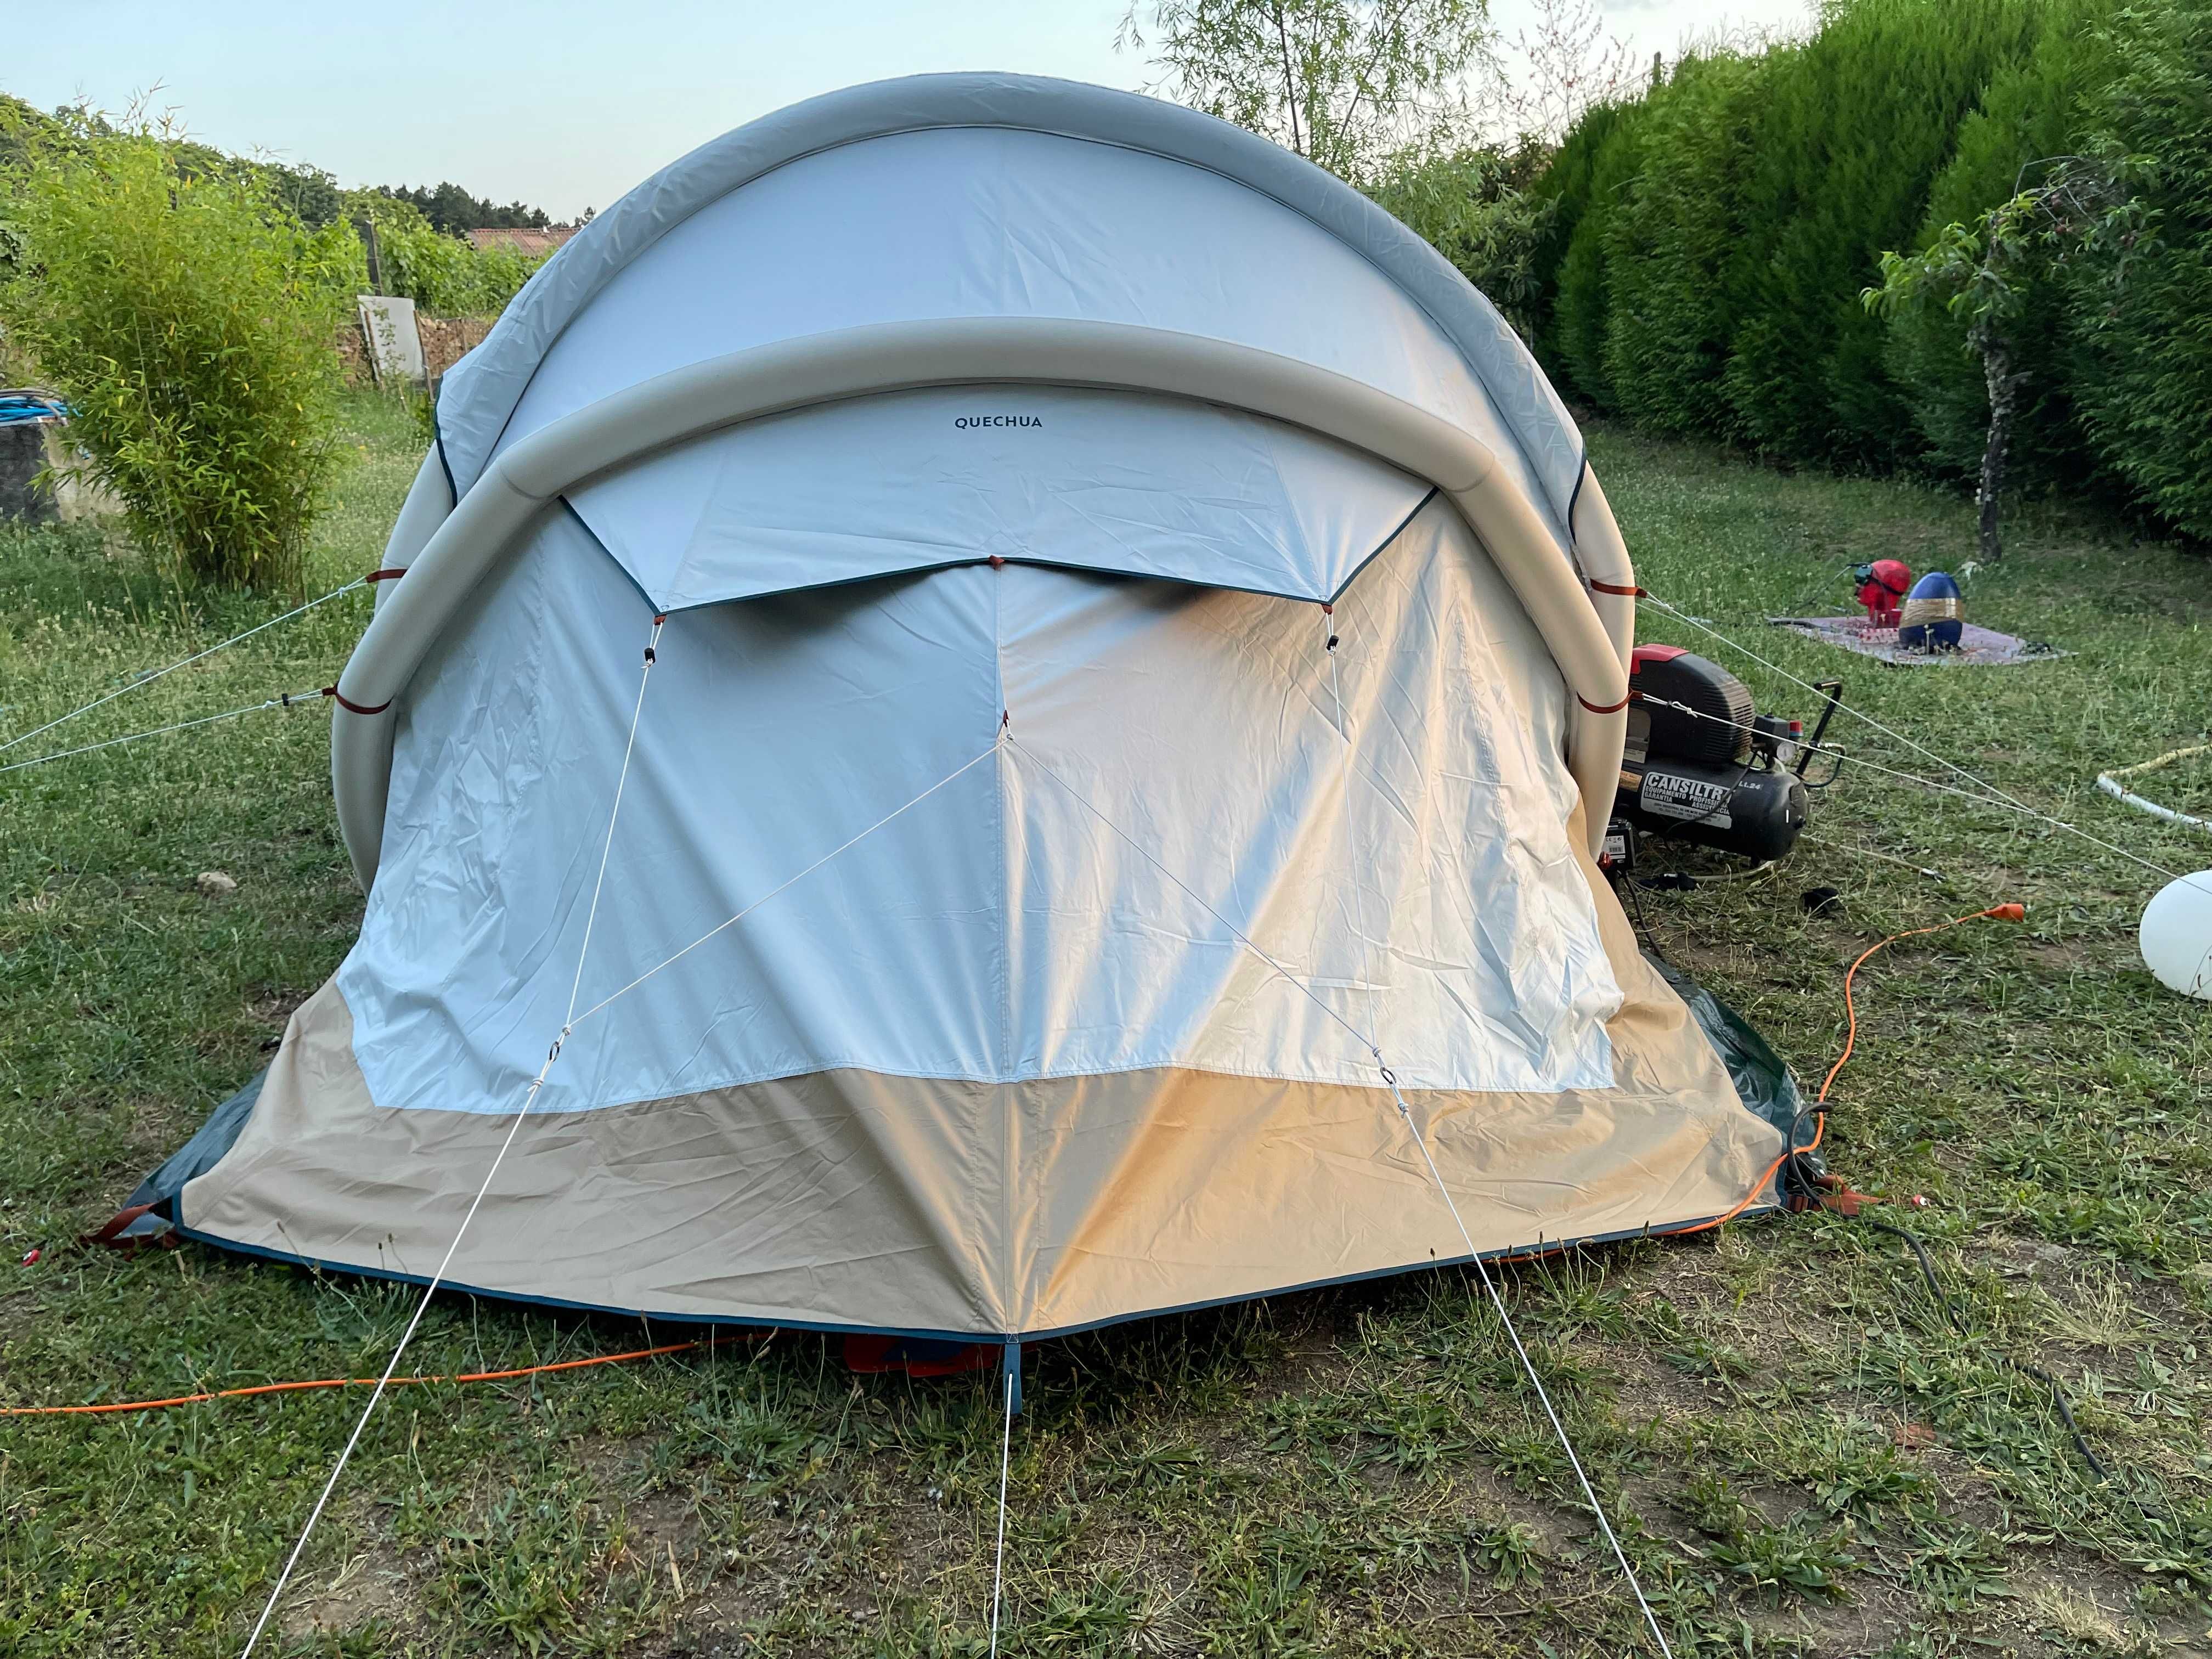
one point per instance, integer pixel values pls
(1803, 1456)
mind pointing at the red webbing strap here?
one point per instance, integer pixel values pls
(111, 1232)
(350, 706)
(1597, 587)
(388, 575)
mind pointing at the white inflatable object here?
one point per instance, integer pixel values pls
(2177, 934)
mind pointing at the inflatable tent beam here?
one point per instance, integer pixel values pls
(429, 503)
(1602, 557)
(489, 521)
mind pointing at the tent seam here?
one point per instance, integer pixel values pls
(1540, 1247)
(1009, 1180)
(1384, 545)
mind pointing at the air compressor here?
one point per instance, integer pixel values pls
(1702, 764)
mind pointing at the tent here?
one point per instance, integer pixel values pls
(1001, 688)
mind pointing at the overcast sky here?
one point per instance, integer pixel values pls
(567, 103)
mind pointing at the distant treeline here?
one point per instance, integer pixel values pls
(312, 195)
(1699, 253)
(423, 254)
(453, 210)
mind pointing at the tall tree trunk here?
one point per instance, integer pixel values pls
(2004, 405)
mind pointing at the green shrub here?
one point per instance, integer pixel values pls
(1595, 166)
(1473, 207)
(1672, 236)
(187, 318)
(1859, 121)
(2144, 383)
(2031, 111)
(448, 275)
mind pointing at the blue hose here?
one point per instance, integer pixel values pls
(22, 407)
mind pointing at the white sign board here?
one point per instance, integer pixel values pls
(395, 344)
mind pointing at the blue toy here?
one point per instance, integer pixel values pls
(1932, 619)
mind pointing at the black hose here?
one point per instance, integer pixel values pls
(1958, 1322)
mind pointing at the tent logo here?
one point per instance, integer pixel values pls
(967, 423)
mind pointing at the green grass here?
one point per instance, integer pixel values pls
(1801, 1455)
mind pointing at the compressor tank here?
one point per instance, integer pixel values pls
(1753, 813)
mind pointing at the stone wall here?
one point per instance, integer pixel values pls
(38, 480)
(446, 340)
(353, 356)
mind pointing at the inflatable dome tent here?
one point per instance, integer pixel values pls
(1142, 652)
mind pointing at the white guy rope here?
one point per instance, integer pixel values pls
(1994, 796)
(2003, 802)
(289, 699)
(1235, 933)
(1872, 853)
(2111, 784)
(1390, 1080)
(529, 1098)
(1704, 627)
(725, 926)
(147, 679)
(1006, 1464)
(1527, 1365)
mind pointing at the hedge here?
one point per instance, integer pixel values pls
(2143, 382)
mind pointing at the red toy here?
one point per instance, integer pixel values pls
(1882, 588)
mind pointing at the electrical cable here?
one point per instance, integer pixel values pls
(1994, 913)
(1872, 852)
(116, 1407)
(1958, 1322)
(1944, 1301)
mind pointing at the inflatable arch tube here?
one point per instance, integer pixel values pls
(467, 544)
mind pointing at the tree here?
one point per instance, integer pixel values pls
(1987, 274)
(2142, 376)
(1566, 66)
(186, 317)
(2032, 107)
(1671, 231)
(1348, 84)
(1474, 206)
(455, 211)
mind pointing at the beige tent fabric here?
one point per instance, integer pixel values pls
(850, 1198)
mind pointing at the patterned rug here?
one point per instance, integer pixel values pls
(1984, 646)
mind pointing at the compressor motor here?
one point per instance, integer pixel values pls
(1702, 764)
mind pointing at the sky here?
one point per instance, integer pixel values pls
(565, 104)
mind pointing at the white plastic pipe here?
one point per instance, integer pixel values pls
(490, 519)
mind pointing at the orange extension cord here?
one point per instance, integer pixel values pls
(367, 1382)
(1997, 912)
